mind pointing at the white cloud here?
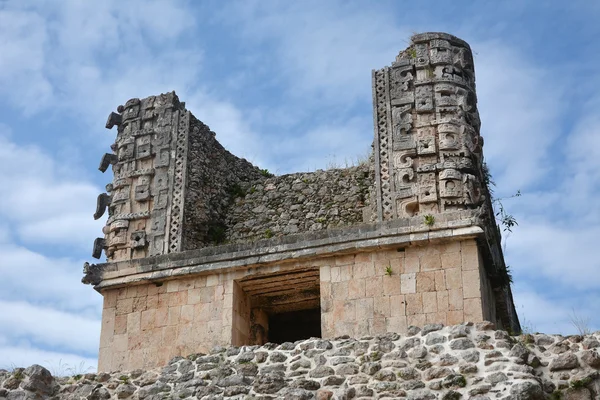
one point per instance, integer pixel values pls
(49, 327)
(47, 201)
(520, 113)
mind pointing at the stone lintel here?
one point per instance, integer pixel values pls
(363, 238)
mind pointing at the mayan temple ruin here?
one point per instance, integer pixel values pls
(204, 249)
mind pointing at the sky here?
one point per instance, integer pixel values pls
(286, 85)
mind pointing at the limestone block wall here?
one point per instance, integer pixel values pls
(387, 291)
(366, 293)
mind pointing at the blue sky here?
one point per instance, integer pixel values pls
(287, 86)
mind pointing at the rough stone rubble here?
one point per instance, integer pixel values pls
(459, 362)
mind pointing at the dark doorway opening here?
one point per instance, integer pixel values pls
(294, 325)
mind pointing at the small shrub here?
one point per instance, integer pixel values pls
(581, 383)
(269, 233)
(429, 220)
(375, 356)
(321, 220)
(388, 270)
(265, 172)
(556, 395)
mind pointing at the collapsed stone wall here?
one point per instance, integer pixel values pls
(449, 363)
(301, 202)
(214, 179)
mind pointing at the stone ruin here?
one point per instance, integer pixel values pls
(205, 249)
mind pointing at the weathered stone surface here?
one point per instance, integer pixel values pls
(391, 377)
(564, 361)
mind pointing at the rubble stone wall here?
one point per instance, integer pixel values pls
(301, 202)
(458, 362)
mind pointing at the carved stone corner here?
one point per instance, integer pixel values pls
(92, 274)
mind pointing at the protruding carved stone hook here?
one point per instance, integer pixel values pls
(99, 245)
(113, 119)
(102, 202)
(107, 159)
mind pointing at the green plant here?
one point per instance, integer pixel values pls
(321, 220)
(375, 356)
(252, 190)
(388, 270)
(237, 191)
(265, 172)
(429, 220)
(269, 233)
(77, 377)
(412, 52)
(18, 374)
(124, 378)
(580, 383)
(556, 395)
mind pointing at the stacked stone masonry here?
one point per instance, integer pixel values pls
(464, 361)
(205, 249)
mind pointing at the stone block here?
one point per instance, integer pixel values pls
(344, 310)
(397, 305)
(416, 320)
(364, 310)
(391, 285)
(110, 299)
(363, 270)
(436, 318)
(414, 304)
(442, 300)
(344, 260)
(134, 322)
(377, 325)
(172, 286)
(178, 298)
(430, 302)
(455, 317)
(453, 277)
(124, 306)
(212, 280)
(470, 256)
(121, 324)
(430, 262)
(473, 311)
(345, 273)
(363, 258)
(471, 284)
(373, 286)
(396, 324)
(187, 314)
(173, 315)
(339, 290)
(336, 274)
(325, 273)
(381, 306)
(408, 283)
(451, 260)
(411, 263)
(455, 299)
(161, 317)
(425, 282)
(440, 280)
(152, 302)
(147, 321)
(356, 288)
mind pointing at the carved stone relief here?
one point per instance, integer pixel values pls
(433, 135)
(140, 202)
